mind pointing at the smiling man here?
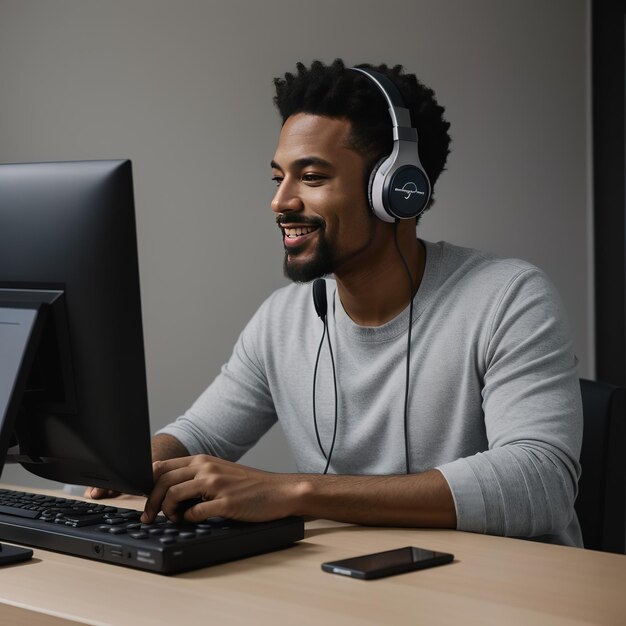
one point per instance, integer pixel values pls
(439, 389)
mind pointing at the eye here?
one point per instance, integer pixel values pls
(277, 180)
(310, 177)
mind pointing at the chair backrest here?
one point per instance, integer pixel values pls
(601, 501)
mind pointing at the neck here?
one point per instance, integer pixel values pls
(376, 288)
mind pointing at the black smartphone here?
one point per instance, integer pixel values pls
(13, 554)
(387, 563)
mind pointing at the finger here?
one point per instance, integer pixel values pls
(162, 467)
(97, 493)
(182, 497)
(203, 510)
(160, 489)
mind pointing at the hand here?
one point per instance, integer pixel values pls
(97, 493)
(225, 489)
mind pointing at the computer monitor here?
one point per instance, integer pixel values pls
(73, 397)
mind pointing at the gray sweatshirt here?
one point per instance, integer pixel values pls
(494, 399)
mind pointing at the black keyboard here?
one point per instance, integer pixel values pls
(115, 534)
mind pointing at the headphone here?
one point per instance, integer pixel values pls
(398, 187)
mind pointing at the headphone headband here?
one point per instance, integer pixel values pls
(386, 86)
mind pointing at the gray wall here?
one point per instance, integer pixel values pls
(184, 88)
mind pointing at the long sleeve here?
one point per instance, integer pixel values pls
(525, 484)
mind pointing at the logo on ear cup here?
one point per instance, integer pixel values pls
(408, 189)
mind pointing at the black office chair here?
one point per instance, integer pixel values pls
(601, 502)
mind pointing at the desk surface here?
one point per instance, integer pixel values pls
(493, 580)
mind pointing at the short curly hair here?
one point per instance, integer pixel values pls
(335, 91)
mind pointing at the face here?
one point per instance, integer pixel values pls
(320, 204)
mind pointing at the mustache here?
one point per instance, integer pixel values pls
(299, 219)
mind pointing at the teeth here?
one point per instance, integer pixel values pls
(292, 233)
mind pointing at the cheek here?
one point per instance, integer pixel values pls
(355, 219)
(346, 214)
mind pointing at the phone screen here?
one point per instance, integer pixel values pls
(388, 563)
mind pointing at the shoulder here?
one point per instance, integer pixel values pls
(288, 306)
(282, 326)
(291, 297)
(453, 257)
(481, 285)
(485, 271)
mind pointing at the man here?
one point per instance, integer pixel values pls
(456, 399)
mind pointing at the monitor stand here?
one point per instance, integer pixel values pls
(23, 314)
(20, 329)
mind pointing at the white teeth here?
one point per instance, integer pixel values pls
(291, 233)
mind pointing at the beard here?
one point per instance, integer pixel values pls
(325, 259)
(320, 265)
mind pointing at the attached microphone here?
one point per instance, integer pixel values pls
(319, 298)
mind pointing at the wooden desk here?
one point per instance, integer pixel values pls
(493, 580)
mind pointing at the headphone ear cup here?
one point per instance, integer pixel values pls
(406, 191)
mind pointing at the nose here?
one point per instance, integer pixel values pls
(286, 200)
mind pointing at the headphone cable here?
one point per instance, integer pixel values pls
(412, 293)
(317, 361)
(325, 333)
(332, 445)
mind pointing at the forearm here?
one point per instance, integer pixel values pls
(167, 447)
(416, 500)
(234, 491)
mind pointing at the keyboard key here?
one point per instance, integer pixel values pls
(68, 510)
(43, 498)
(140, 534)
(84, 520)
(18, 512)
(186, 535)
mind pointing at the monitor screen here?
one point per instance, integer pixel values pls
(73, 398)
